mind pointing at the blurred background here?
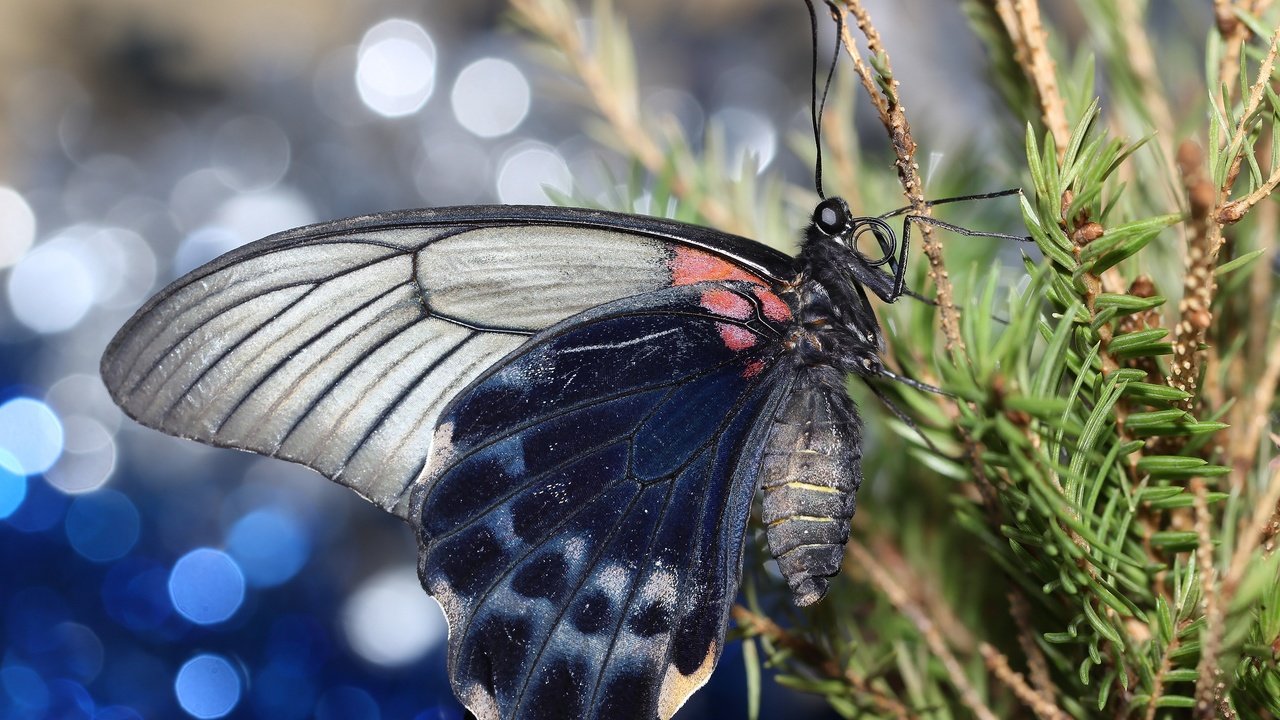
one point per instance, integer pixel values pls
(147, 577)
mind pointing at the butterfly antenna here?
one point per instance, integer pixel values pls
(956, 199)
(902, 416)
(818, 105)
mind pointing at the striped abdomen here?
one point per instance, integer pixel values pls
(810, 474)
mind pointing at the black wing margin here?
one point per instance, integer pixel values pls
(337, 345)
(584, 526)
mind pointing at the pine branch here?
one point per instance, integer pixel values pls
(1081, 481)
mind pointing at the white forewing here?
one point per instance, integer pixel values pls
(338, 346)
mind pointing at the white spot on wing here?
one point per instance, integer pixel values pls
(613, 580)
(660, 585)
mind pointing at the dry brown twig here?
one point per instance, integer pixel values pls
(1157, 682)
(928, 630)
(1228, 213)
(892, 115)
(885, 99)
(999, 666)
(1206, 237)
(1037, 663)
(1255, 404)
(925, 589)
(1234, 35)
(1211, 603)
(1155, 103)
(1254, 371)
(1021, 20)
(838, 139)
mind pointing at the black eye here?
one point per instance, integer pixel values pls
(831, 217)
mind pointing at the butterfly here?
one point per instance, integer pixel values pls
(572, 408)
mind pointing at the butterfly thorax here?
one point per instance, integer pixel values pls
(835, 325)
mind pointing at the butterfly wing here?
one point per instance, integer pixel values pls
(337, 345)
(583, 527)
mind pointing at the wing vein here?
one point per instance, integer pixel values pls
(400, 444)
(329, 328)
(602, 546)
(339, 377)
(530, 479)
(404, 393)
(561, 412)
(653, 534)
(232, 347)
(631, 594)
(191, 331)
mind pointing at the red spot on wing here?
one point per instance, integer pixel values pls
(726, 303)
(774, 308)
(736, 337)
(753, 368)
(691, 266)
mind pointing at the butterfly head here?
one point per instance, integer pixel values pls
(866, 245)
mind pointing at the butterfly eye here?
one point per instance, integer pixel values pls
(831, 217)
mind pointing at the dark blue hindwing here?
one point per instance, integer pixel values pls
(583, 525)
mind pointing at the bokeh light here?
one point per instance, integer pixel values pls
(749, 137)
(78, 651)
(490, 97)
(683, 107)
(207, 686)
(526, 169)
(250, 216)
(17, 226)
(250, 153)
(195, 197)
(102, 526)
(202, 245)
(84, 394)
(30, 436)
(135, 594)
(41, 510)
(69, 700)
(56, 285)
(28, 616)
(284, 690)
(390, 621)
(88, 458)
(117, 712)
(122, 265)
(51, 288)
(13, 486)
(269, 545)
(206, 586)
(453, 168)
(25, 690)
(345, 702)
(336, 96)
(396, 67)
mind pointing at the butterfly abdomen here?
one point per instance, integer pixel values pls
(810, 474)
